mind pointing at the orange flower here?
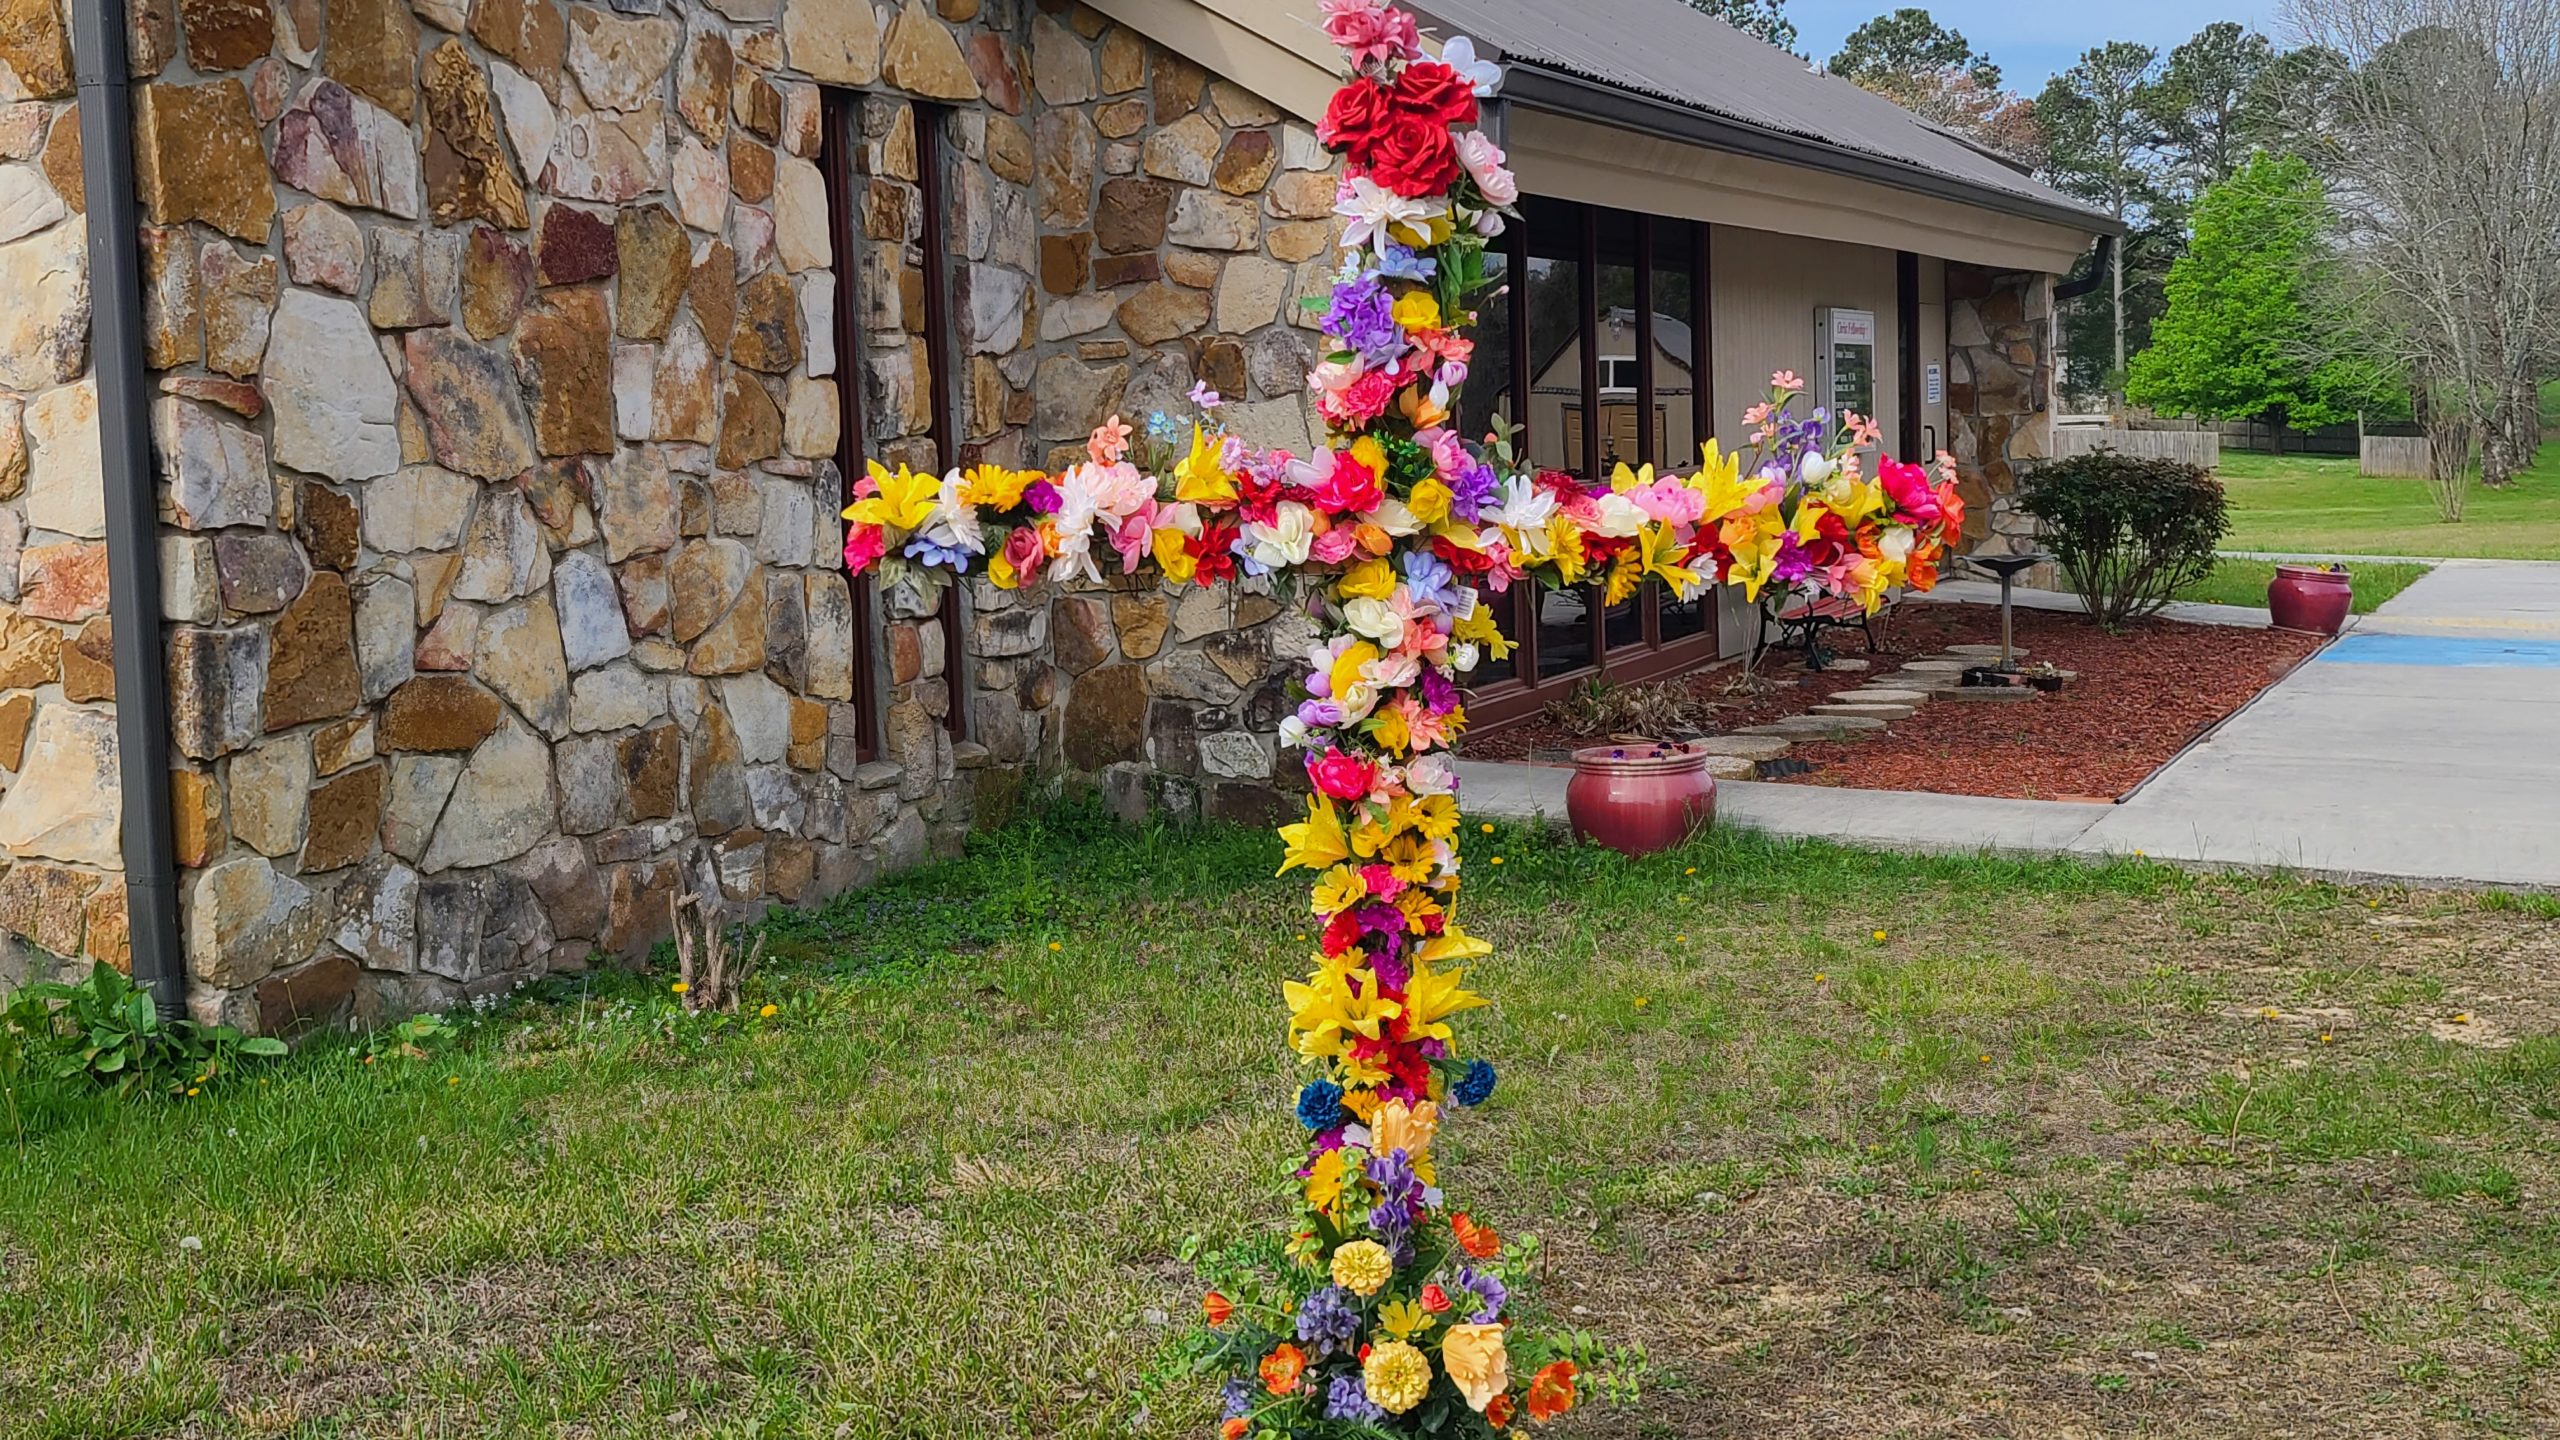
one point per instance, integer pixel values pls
(1282, 1367)
(1498, 1414)
(1217, 1307)
(1435, 1299)
(1479, 1240)
(1234, 1429)
(1551, 1392)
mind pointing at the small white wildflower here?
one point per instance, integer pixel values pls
(190, 1242)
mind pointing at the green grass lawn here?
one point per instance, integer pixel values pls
(2318, 505)
(2235, 581)
(1850, 1144)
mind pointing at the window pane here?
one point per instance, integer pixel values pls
(1619, 421)
(1675, 364)
(1555, 320)
(1487, 393)
(1506, 613)
(1624, 622)
(1564, 630)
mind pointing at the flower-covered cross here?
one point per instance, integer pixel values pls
(1393, 1313)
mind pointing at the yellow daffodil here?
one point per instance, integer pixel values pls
(1199, 478)
(1418, 310)
(1405, 1319)
(905, 499)
(1477, 1363)
(1363, 1267)
(1317, 843)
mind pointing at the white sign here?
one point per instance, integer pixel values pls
(1933, 385)
(1853, 327)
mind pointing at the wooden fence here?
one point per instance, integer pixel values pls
(2393, 455)
(2193, 447)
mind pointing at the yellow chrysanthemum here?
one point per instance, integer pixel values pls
(1363, 1267)
(1396, 1376)
(993, 487)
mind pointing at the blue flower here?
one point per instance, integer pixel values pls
(1161, 426)
(1320, 1105)
(1476, 1086)
(1347, 1398)
(1403, 264)
(1239, 1398)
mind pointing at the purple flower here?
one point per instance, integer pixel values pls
(1403, 264)
(1490, 1295)
(1319, 714)
(1239, 1397)
(1203, 396)
(1042, 497)
(1426, 577)
(1362, 316)
(1347, 1398)
(1473, 487)
(1438, 693)
(1399, 1193)
(1793, 563)
(1329, 1321)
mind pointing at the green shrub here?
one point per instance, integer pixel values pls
(2129, 533)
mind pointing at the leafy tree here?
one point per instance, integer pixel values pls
(1764, 19)
(1909, 43)
(2102, 143)
(2206, 104)
(2241, 337)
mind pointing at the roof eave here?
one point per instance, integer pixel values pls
(1541, 87)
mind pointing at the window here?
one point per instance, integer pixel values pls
(1617, 368)
(877, 280)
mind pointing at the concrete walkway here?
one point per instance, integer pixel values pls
(1987, 592)
(2424, 746)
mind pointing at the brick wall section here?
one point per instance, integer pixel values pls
(497, 412)
(1999, 396)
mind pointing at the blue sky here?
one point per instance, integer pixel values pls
(2031, 39)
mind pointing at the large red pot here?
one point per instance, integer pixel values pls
(1637, 799)
(2306, 597)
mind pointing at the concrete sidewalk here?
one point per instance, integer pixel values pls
(2422, 747)
(1987, 592)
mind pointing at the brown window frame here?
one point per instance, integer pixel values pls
(1525, 693)
(840, 116)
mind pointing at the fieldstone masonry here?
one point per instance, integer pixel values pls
(498, 424)
(1999, 397)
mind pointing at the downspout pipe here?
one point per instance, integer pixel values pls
(132, 501)
(2098, 261)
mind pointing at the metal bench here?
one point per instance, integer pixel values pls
(1800, 622)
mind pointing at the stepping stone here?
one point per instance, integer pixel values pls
(1932, 681)
(1850, 663)
(1943, 667)
(1881, 695)
(1733, 767)
(1994, 694)
(1985, 652)
(1877, 712)
(1826, 727)
(1745, 747)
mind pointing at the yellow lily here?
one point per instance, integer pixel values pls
(1453, 944)
(1318, 842)
(1431, 996)
(1324, 1011)
(904, 502)
(1623, 479)
(1481, 628)
(1198, 477)
(1719, 479)
(1656, 545)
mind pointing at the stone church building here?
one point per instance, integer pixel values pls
(423, 424)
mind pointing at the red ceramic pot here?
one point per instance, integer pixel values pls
(2306, 597)
(1637, 799)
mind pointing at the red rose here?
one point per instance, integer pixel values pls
(1359, 110)
(1433, 91)
(1414, 157)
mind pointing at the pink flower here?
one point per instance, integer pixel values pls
(1907, 486)
(1334, 546)
(1344, 777)
(1785, 380)
(1371, 32)
(1024, 552)
(1110, 441)
(864, 543)
(1483, 161)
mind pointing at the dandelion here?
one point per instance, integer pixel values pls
(2326, 1037)
(2270, 1012)
(1054, 945)
(1497, 859)
(1643, 1000)
(1879, 937)
(1986, 1059)
(679, 988)
(190, 1242)
(1680, 939)
(2462, 1019)
(1819, 977)
(769, 1011)
(1692, 870)
(1486, 827)
(453, 1079)
(193, 1092)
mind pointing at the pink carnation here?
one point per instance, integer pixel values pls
(1483, 161)
(1371, 32)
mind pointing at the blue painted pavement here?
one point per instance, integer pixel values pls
(2375, 648)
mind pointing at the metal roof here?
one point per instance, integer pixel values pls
(1665, 67)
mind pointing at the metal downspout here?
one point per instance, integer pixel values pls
(133, 543)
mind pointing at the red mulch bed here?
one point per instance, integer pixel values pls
(2138, 699)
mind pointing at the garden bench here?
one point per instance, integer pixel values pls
(1800, 622)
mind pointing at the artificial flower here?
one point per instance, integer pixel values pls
(1396, 1376)
(1218, 1308)
(1477, 1240)
(1318, 842)
(1404, 1318)
(1362, 1267)
(1551, 1390)
(1282, 1367)
(1475, 1359)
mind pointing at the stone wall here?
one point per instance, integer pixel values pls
(497, 418)
(62, 896)
(1999, 396)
